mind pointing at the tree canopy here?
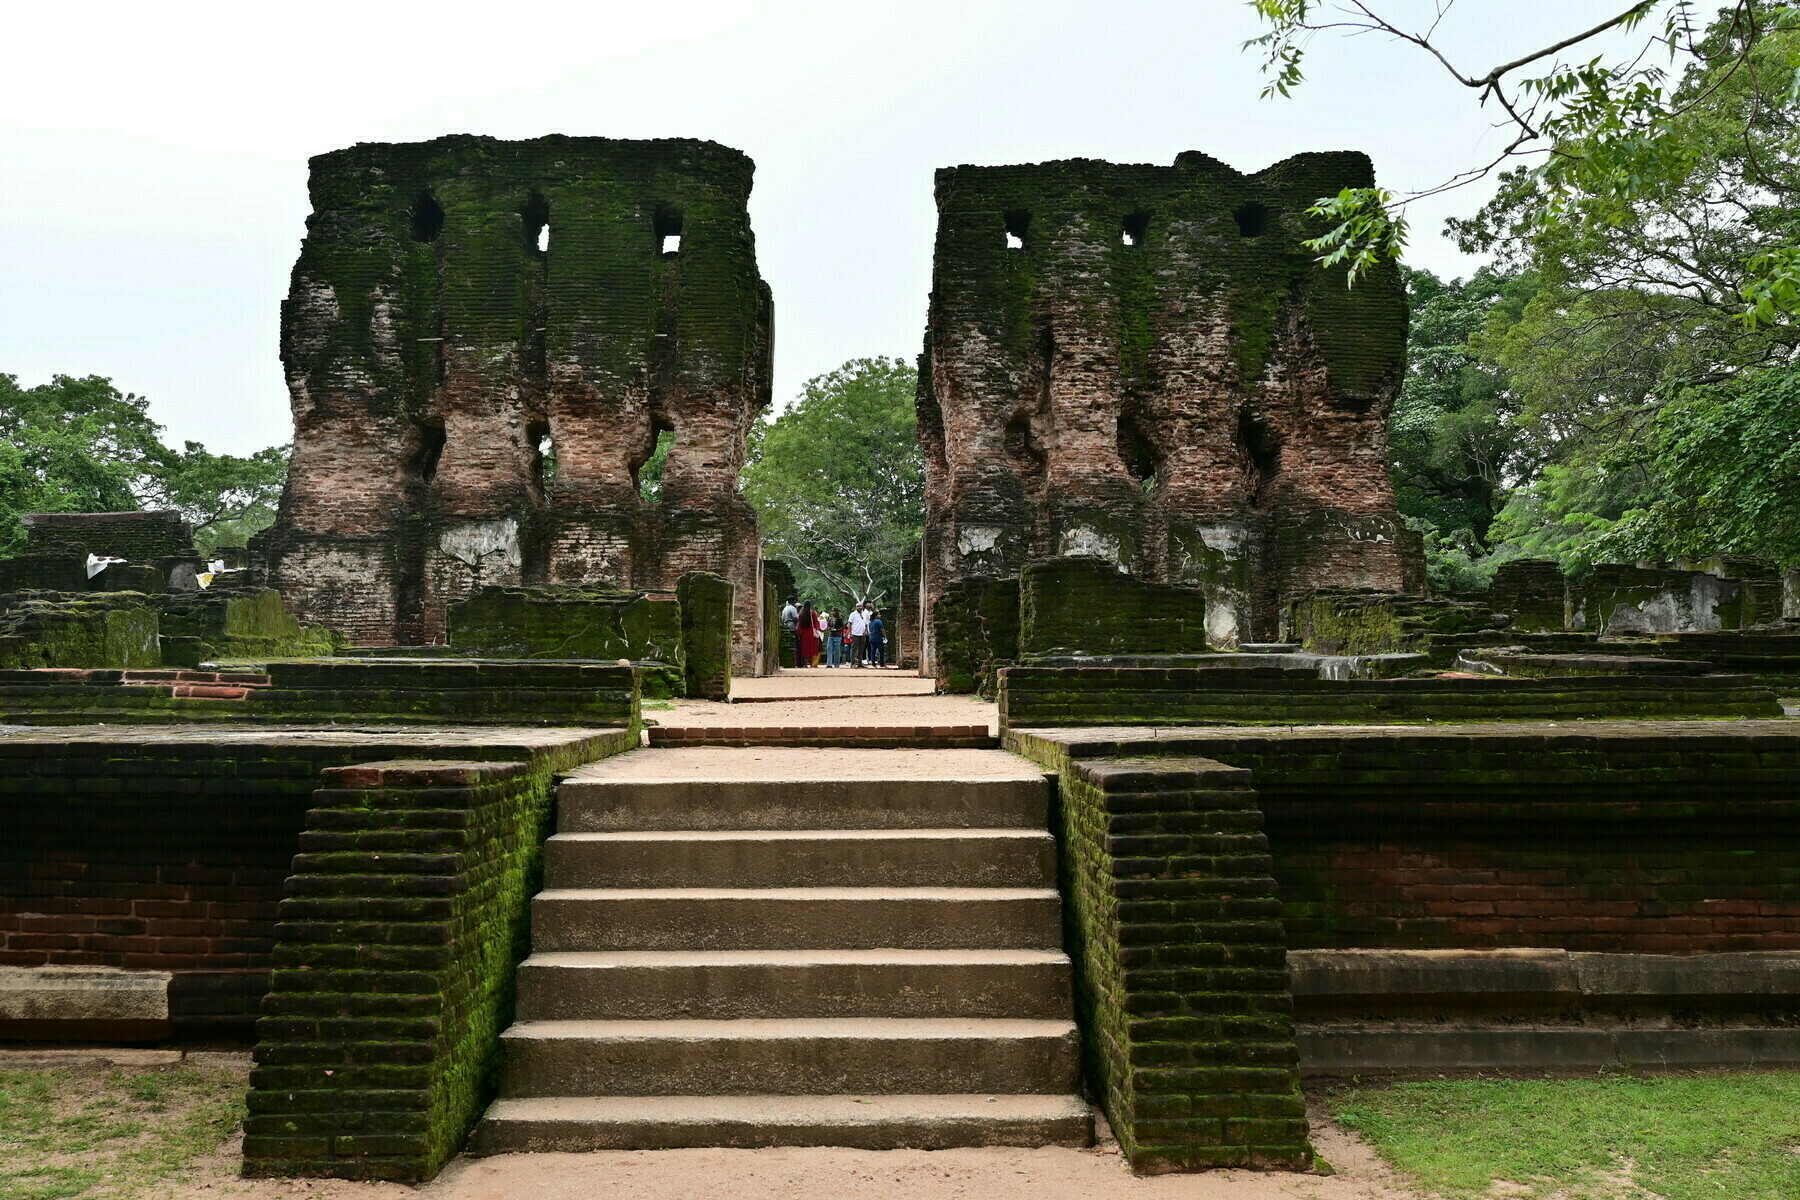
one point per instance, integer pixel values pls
(1619, 382)
(81, 445)
(1679, 142)
(838, 481)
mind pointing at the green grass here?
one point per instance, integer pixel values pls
(75, 1134)
(1692, 1137)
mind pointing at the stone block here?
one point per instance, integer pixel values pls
(706, 607)
(1089, 606)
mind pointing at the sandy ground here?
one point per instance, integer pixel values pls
(873, 710)
(813, 682)
(830, 1174)
(781, 1174)
(800, 763)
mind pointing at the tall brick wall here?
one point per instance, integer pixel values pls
(1143, 364)
(441, 356)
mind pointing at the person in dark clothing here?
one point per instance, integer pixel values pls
(877, 639)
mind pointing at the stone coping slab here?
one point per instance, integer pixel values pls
(24, 739)
(1112, 741)
(1547, 971)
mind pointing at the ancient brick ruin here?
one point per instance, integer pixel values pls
(483, 341)
(1144, 364)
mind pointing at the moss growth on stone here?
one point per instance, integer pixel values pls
(93, 629)
(705, 601)
(580, 621)
(1339, 621)
(243, 624)
(405, 922)
(1087, 606)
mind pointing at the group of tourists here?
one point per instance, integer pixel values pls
(857, 638)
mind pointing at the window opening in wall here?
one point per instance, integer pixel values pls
(1252, 219)
(535, 218)
(1138, 455)
(650, 474)
(427, 218)
(1018, 223)
(1136, 229)
(1261, 447)
(668, 231)
(428, 449)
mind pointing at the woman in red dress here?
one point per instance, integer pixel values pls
(806, 629)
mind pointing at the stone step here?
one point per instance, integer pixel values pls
(815, 1056)
(859, 737)
(843, 918)
(756, 984)
(801, 789)
(576, 1124)
(812, 857)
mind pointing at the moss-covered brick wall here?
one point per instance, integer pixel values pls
(1617, 598)
(136, 536)
(60, 629)
(706, 604)
(165, 849)
(404, 923)
(1088, 606)
(1073, 696)
(1624, 837)
(484, 340)
(240, 623)
(907, 630)
(574, 621)
(320, 691)
(55, 572)
(975, 632)
(1186, 1019)
(506, 693)
(1533, 592)
(1335, 621)
(1144, 363)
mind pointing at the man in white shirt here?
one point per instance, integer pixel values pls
(859, 634)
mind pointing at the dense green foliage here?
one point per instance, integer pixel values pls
(1600, 394)
(839, 484)
(1677, 1137)
(1673, 113)
(80, 445)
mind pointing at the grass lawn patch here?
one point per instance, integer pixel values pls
(1725, 1136)
(108, 1133)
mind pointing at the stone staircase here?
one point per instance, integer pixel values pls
(772, 946)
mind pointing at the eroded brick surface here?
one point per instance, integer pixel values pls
(483, 340)
(1143, 363)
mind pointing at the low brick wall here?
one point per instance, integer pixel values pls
(1074, 696)
(405, 919)
(1652, 837)
(1182, 983)
(340, 689)
(165, 848)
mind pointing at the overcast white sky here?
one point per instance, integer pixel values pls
(153, 156)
